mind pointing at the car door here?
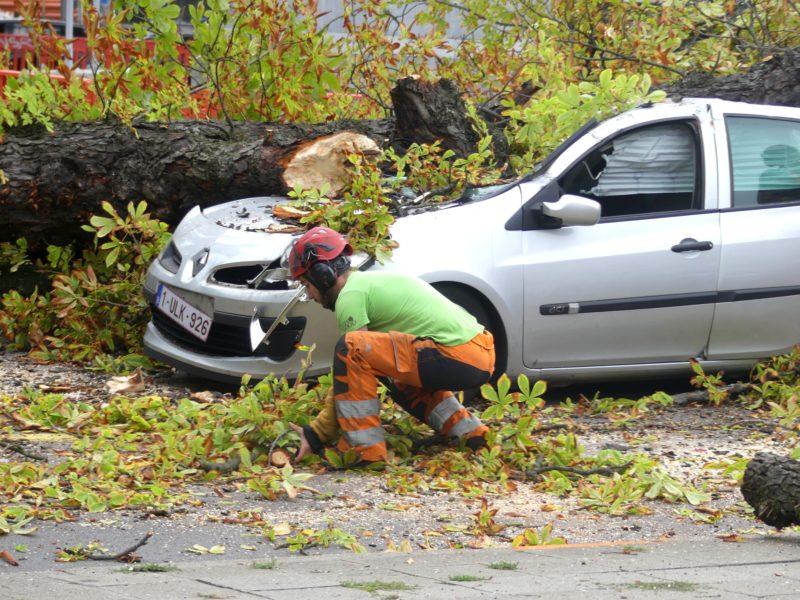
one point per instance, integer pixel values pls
(758, 313)
(639, 286)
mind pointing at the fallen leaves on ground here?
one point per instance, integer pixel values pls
(142, 451)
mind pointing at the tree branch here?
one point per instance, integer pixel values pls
(124, 553)
(20, 450)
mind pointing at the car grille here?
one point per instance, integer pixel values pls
(230, 336)
(240, 275)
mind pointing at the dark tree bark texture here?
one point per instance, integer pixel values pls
(775, 81)
(426, 112)
(771, 485)
(56, 180)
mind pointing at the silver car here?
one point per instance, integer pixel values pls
(666, 233)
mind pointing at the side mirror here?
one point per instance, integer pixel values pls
(573, 210)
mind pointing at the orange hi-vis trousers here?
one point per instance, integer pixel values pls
(420, 375)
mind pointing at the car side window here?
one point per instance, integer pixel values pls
(765, 160)
(652, 169)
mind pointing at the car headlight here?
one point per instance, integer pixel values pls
(170, 258)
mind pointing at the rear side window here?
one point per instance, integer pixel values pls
(652, 169)
(765, 160)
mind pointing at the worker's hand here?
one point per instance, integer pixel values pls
(305, 447)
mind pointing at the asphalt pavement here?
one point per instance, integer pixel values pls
(757, 567)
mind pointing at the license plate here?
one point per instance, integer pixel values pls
(192, 319)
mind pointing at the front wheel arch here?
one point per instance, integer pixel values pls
(480, 307)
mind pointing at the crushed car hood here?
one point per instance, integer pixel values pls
(248, 214)
(233, 233)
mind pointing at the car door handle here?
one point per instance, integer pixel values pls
(690, 245)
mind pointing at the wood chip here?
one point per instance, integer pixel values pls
(283, 228)
(286, 211)
(280, 458)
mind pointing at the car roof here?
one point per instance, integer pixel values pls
(730, 106)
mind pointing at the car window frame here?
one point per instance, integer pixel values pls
(521, 221)
(730, 163)
(699, 183)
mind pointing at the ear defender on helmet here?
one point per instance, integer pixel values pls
(322, 276)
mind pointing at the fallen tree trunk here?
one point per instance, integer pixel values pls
(771, 485)
(56, 180)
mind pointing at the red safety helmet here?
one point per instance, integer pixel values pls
(319, 244)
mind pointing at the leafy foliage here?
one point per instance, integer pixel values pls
(140, 451)
(267, 60)
(543, 537)
(95, 305)
(539, 126)
(309, 538)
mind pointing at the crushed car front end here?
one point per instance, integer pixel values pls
(222, 266)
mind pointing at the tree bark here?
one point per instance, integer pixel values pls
(56, 180)
(774, 81)
(771, 485)
(426, 112)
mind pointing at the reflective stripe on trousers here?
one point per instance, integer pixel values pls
(364, 437)
(449, 417)
(363, 356)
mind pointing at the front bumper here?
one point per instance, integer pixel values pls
(226, 355)
(228, 369)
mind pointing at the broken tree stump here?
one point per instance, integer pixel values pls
(771, 485)
(425, 112)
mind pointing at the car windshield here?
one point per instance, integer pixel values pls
(473, 194)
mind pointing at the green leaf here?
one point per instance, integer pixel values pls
(109, 208)
(244, 455)
(487, 391)
(695, 497)
(98, 221)
(503, 385)
(524, 384)
(112, 256)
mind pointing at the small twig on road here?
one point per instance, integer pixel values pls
(301, 550)
(124, 553)
(551, 427)
(735, 389)
(20, 450)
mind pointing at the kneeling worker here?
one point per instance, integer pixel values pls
(396, 329)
